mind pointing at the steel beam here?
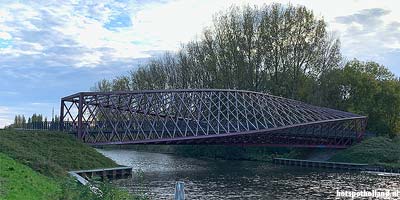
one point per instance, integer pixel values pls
(206, 116)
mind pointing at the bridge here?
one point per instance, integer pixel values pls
(206, 116)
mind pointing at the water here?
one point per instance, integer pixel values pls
(216, 179)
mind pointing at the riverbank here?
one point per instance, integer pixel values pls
(379, 151)
(18, 181)
(46, 157)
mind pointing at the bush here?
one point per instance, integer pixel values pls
(375, 151)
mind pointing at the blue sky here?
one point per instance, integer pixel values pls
(50, 50)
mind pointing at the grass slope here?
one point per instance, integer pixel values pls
(18, 181)
(51, 153)
(34, 165)
(376, 151)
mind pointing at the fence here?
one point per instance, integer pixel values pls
(50, 126)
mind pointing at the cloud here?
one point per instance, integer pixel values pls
(368, 17)
(90, 34)
(5, 35)
(69, 34)
(366, 35)
(5, 116)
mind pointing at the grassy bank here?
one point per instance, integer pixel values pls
(18, 181)
(381, 151)
(51, 153)
(47, 157)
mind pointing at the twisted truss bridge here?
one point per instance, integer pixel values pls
(206, 116)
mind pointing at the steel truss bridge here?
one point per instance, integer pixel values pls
(206, 116)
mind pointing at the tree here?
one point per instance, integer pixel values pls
(15, 124)
(23, 120)
(103, 85)
(284, 50)
(19, 121)
(277, 49)
(369, 89)
(56, 119)
(387, 113)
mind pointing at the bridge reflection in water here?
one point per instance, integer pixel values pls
(206, 116)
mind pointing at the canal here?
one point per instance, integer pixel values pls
(227, 179)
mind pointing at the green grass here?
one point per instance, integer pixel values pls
(18, 181)
(34, 165)
(51, 153)
(375, 151)
(71, 190)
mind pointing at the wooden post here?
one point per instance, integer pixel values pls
(179, 191)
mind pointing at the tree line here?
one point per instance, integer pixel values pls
(21, 122)
(283, 50)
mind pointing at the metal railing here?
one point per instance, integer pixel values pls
(50, 126)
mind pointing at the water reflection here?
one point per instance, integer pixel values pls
(216, 179)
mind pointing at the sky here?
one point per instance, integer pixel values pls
(50, 49)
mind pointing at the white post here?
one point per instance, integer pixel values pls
(179, 191)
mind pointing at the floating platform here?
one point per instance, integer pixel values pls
(387, 174)
(320, 164)
(104, 174)
(382, 170)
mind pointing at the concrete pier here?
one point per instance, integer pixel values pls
(103, 174)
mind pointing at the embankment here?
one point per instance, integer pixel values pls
(18, 181)
(45, 158)
(381, 151)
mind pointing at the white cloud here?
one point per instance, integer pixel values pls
(72, 32)
(5, 116)
(7, 113)
(80, 27)
(366, 34)
(164, 26)
(5, 35)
